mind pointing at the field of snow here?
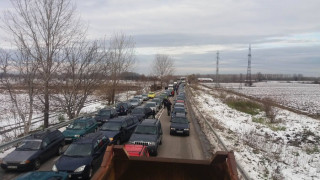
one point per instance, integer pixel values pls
(298, 95)
(288, 149)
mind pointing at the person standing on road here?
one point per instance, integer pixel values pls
(153, 113)
(169, 107)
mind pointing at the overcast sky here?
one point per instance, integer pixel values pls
(284, 35)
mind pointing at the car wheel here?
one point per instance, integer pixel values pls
(160, 142)
(59, 150)
(37, 164)
(118, 142)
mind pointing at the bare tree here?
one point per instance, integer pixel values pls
(121, 55)
(82, 73)
(163, 67)
(25, 68)
(43, 28)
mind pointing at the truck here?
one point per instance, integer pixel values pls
(118, 165)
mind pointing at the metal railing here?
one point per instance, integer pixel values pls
(239, 167)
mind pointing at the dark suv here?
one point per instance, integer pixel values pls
(34, 150)
(123, 108)
(180, 125)
(141, 112)
(119, 129)
(104, 115)
(148, 133)
(83, 156)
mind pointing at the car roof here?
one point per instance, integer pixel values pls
(149, 122)
(89, 138)
(133, 149)
(181, 115)
(151, 102)
(118, 119)
(41, 134)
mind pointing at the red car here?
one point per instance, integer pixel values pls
(136, 150)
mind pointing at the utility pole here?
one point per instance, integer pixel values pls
(248, 78)
(217, 71)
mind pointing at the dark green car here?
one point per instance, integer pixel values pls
(79, 128)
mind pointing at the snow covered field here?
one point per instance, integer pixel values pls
(302, 96)
(288, 149)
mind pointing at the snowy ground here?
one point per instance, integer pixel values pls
(298, 95)
(288, 149)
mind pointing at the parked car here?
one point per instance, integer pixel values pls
(139, 97)
(152, 105)
(178, 110)
(119, 129)
(135, 102)
(151, 95)
(125, 110)
(44, 175)
(34, 150)
(142, 112)
(148, 133)
(158, 101)
(104, 115)
(83, 156)
(145, 97)
(80, 127)
(137, 150)
(179, 105)
(179, 125)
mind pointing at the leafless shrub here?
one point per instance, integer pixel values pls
(270, 112)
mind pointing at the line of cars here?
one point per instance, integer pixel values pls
(179, 123)
(89, 137)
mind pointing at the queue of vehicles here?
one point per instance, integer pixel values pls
(89, 137)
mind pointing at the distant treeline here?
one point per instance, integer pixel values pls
(237, 78)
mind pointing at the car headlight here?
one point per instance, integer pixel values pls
(25, 162)
(186, 129)
(54, 168)
(152, 143)
(77, 135)
(3, 162)
(172, 128)
(80, 169)
(111, 139)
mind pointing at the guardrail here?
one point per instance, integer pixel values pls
(239, 167)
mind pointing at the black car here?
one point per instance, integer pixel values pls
(123, 108)
(119, 129)
(148, 133)
(176, 110)
(34, 150)
(83, 156)
(142, 112)
(104, 115)
(179, 125)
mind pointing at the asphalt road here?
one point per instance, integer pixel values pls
(184, 147)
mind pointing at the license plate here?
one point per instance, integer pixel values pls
(179, 131)
(12, 167)
(68, 139)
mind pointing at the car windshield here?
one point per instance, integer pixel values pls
(150, 105)
(104, 112)
(34, 144)
(138, 111)
(146, 130)
(111, 126)
(134, 100)
(77, 125)
(79, 149)
(179, 120)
